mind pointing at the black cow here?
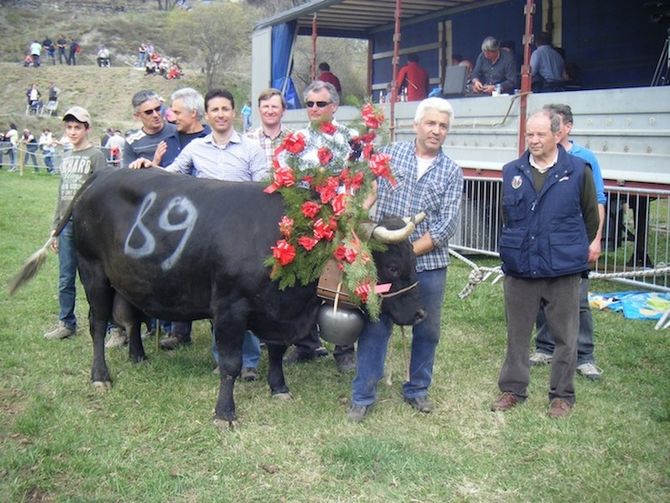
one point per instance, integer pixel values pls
(181, 248)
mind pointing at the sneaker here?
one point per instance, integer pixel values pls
(590, 371)
(117, 338)
(60, 332)
(559, 408)
(538, 358)
(506, 401)
(249, 374)
(420, 403)
(357, 413)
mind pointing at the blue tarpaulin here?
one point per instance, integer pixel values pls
(635, 305)
(283, 36)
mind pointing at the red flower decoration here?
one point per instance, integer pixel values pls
(339, 204)
(352, 183)
(294, 143)
(324, 230)
(310, 209)
(368, 149)
(327, 128)
(325, 155)
(344, 253)
(380, 165)
(283, 177)
(283, 252)
(372, 118)
(362, 290)
(328, 190)
(286, 226)
(307, 243)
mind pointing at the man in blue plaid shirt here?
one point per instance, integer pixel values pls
(428, 181)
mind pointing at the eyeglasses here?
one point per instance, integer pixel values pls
(152, 111)
(320, 104)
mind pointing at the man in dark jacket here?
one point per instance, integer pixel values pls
(550, 218)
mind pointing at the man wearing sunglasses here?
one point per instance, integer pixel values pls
(321, 101)
(147, 108)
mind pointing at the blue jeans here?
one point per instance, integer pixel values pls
(251, 350)
(49, 161)
(67, 273)
(373, 343)
(545, 341)
(11, 152)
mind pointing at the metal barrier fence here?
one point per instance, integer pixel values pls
(31, 157)
(636, 232)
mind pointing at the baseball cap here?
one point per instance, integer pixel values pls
(79, 113)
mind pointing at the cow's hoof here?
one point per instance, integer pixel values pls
(282, 396)
(102, 386)
(225, 424)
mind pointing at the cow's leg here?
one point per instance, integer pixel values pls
(100, 295)
(229, 327)
(276, 371)
(129, 317)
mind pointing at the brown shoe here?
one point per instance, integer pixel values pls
(506, 401)
(559, 408)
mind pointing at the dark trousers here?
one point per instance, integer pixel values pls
(523, 298)
(308, 345)
(544, 342)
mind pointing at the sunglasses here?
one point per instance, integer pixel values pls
(320, 104)
(152, 111)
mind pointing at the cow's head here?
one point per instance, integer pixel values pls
(397, 265)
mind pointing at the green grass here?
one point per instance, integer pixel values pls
(151, 438)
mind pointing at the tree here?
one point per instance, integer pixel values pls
(215, 35)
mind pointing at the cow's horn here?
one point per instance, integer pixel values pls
(385, 235)
(416, 219)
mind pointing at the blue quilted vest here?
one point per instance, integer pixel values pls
(544, 234)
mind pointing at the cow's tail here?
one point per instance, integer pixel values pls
(31, 267)
(37, 259)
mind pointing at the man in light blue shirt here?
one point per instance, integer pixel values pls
(545, 341)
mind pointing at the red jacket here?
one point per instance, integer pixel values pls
(331, 79)
(417, 81)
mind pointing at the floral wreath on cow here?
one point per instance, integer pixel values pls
(324, 174)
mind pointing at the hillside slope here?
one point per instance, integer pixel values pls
(105, 92)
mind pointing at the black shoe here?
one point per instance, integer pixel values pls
(298, 356)
(420, 403)
(346, 362)
(173, 341)
(357, 413)
(249, 374)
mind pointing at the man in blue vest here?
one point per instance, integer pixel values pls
(550, 225)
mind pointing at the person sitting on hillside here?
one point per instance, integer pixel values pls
(152, 66)
(103, 58)
(174, 72)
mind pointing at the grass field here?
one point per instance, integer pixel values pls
(151, 438)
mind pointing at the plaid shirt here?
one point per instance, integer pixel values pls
(268, 144)
(437, 193)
